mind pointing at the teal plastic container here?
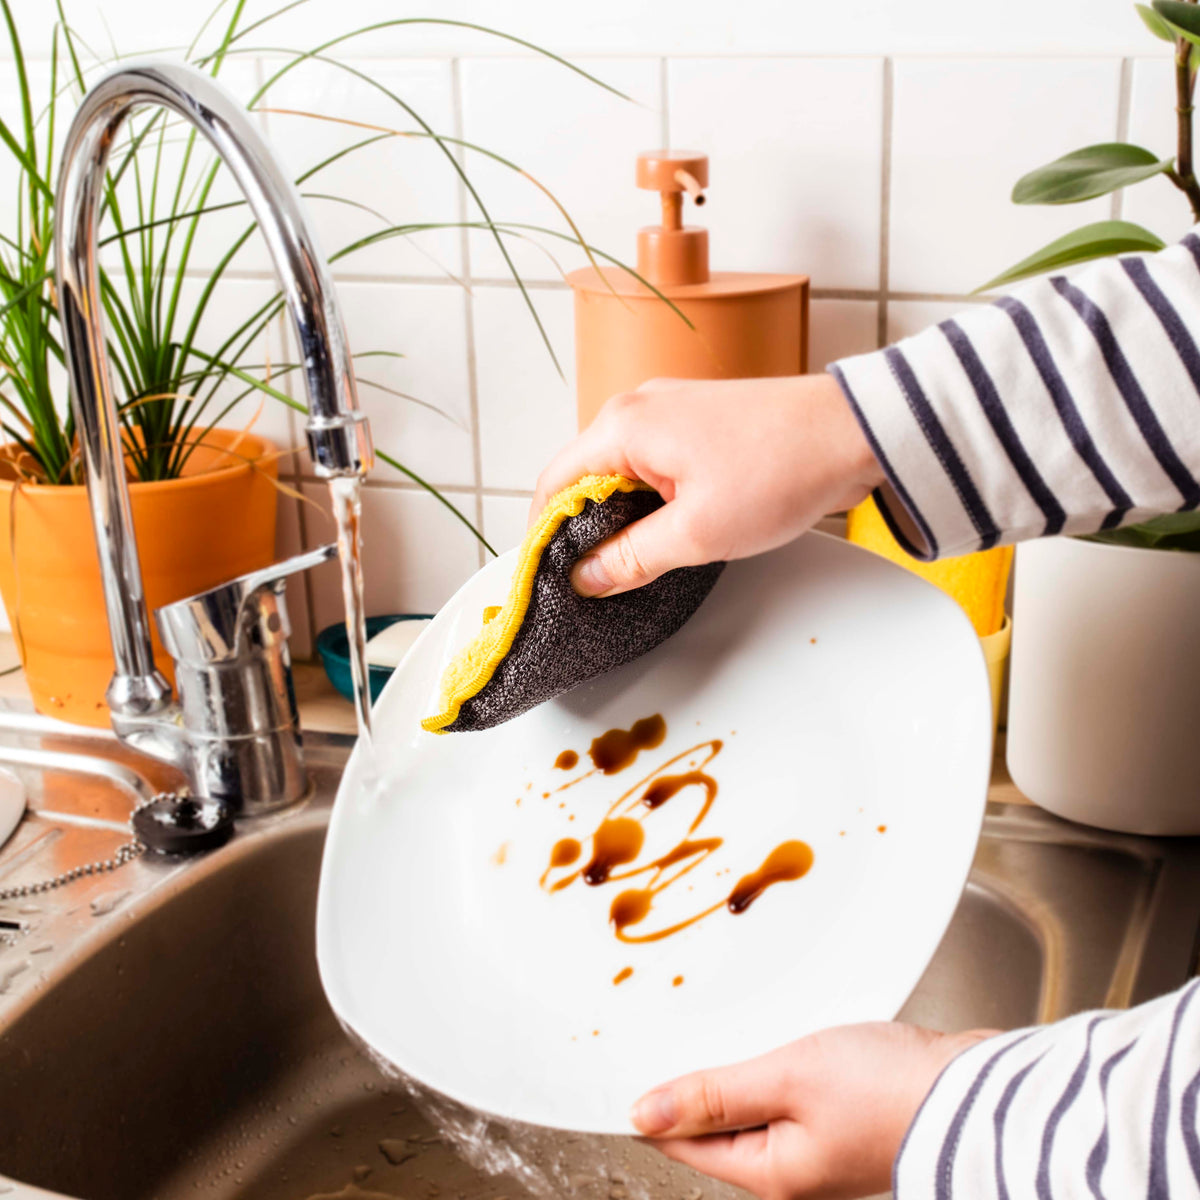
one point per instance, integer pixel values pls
(334, 648)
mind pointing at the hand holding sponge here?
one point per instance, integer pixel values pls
(545, 638)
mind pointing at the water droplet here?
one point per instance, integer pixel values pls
(7, 976)
(103, 905)
(396, 1151)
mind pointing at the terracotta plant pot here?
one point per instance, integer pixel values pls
(214, 522)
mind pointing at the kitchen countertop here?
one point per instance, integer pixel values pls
(321, 706)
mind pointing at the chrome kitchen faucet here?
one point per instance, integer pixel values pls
(234, 729)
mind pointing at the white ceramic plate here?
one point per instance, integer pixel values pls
(852, 702)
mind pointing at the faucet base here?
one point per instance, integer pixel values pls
(139, 695)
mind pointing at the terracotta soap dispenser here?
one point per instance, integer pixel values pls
(742, 324)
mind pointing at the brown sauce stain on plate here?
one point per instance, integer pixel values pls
(565, 852)
(615, 750)
(622, 975)
(567, 760)
(617, 841)
(787, 862)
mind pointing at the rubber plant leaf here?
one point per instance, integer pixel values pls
(1088, 173)
(1175, 531)
(1182, 19)
(1155, 23)
(1098, 240)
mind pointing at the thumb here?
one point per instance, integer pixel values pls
(741, 1096)
(637, 555)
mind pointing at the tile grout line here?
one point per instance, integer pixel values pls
(947, 297)
(664, 80)
(468, 315)
(466, 490)
(885, 204)
(1124, 93)
(557, 285)
(589, 53)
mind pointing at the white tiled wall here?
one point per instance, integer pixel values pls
(1156, 204)
(795, 152)
(963, 132)
(871, 145)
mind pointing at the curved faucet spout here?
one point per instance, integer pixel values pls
(338, 436)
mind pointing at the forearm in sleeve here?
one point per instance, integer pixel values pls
(1102, 1105)
(1068, 406)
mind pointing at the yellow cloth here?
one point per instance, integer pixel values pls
(977, 581)
(472, 668)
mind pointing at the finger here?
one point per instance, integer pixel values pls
(737, 1158)
(640, 553)
(593, 452)
(741, 1096)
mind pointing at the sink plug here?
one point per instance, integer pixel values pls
(168, 823)
(178, 823)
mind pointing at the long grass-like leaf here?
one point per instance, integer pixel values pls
(466, 145)
(395, 22)
(444, 147)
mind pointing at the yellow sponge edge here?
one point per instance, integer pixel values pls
(977, 581)
(473, 667)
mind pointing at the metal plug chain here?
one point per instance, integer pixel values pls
(123, 854)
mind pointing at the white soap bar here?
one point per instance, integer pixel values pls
(387, 648)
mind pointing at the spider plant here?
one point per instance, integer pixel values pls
(175, 387)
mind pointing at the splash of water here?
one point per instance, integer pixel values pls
(529, 1155)
(346, 494)
(103, 905)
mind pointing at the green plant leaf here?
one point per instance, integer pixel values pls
(1184, 34)
(1088, 173)
(1175, 531)
(1185, 18)
(1155, 23)
(1098, 240)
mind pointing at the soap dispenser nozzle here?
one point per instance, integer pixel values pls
(673, 254)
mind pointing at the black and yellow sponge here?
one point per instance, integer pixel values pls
(546, 639)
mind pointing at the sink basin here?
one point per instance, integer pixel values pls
(178, 1043)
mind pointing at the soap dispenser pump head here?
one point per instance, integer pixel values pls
(673, 254)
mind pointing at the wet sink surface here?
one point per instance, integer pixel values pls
(182, 1045)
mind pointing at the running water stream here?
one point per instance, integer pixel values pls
(346, 494)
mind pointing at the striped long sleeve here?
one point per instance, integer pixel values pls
(1069, 406)
(1101, 1106)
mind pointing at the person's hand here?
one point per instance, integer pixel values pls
(744, 466)
(820, 1119)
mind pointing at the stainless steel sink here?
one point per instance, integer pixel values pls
(178, 1043)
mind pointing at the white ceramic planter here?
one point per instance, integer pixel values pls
(1104, 695)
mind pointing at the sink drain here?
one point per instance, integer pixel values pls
(168, 823)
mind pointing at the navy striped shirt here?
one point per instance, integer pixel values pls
(1069, 406)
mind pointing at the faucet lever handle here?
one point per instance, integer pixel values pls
(276, 574)
(207, 627)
